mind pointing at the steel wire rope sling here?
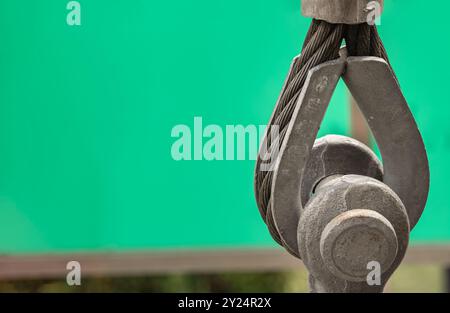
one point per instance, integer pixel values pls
(329, 201)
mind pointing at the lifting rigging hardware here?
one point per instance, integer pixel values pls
(329, 201)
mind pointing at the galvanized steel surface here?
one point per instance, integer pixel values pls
(331, 204)
(340, 11)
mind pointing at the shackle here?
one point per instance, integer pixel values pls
(331, 202)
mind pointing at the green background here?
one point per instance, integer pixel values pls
(86, 114)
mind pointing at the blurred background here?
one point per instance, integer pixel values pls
(86, 115)
(407, 279)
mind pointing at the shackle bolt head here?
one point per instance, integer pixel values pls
(354, 239)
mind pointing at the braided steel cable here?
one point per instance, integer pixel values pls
(322, 43)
